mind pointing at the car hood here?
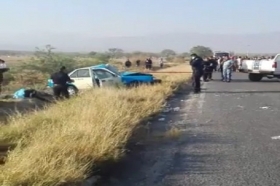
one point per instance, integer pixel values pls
(126, 73)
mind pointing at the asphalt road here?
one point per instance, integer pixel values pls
(228, 137)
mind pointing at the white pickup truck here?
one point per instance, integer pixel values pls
(246, 65)
(257, 69)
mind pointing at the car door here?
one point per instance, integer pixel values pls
(106, 78)
(82, 78)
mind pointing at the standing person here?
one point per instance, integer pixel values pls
(221, 67)
(147, 63)
(197, 68)
(239, 59)
(3, 68)
(215, 63)
(128, 63)
(161, 63)
(60, 80)
(138, 63)
(150, 62)
(227, 69)
(206, 69)
(219, 63)
(213, 66)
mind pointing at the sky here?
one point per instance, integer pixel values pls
(37, 22)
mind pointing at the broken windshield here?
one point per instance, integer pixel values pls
(113, 69)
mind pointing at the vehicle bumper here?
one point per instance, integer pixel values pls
(261, 72)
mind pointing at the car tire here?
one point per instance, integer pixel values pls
(255, 77)
(157, 81)
(73, 91)
(134, 84)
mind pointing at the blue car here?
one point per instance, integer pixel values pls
(105, 75)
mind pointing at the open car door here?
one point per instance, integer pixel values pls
(83, 78)
(106, 78)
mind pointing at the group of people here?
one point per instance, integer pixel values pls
(148, 63)
(205, 67)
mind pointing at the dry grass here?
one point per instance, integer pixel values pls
(63, 142)
(15, 60)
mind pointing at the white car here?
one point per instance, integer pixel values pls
(105, 75)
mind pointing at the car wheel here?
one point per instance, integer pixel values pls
(134, 84)
(157, 81)
(255, 77)
(72, 90)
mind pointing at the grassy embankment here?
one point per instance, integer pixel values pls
(63, 142)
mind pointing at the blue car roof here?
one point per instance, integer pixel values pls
(99, 66)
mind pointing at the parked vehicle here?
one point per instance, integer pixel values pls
(105, 75)
(269, 68)
(246, 65)
(221, 54)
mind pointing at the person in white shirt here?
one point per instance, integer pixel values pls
(239, 62)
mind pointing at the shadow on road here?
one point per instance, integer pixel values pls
(245, 91)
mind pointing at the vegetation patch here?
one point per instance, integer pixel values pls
(62, 143)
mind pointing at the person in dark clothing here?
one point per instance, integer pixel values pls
(60, 80)
(213, 66)
(3, 68)
(197, 68)
(138, 63)
(149, 63)
(128, 63)
(207, 68)
(161, 63)
(32, 93)
(215, 62)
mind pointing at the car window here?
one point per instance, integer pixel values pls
(102, 74)
(83, 73)
(74, 75)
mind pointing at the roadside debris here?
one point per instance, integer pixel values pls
(275, 137)
(240, 106)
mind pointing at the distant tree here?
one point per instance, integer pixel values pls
(168, 53)
(184, 55)
(102, 57)
(92, 53)
(202, 51)
(115, 52)
(46, 61)
(137, 53)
